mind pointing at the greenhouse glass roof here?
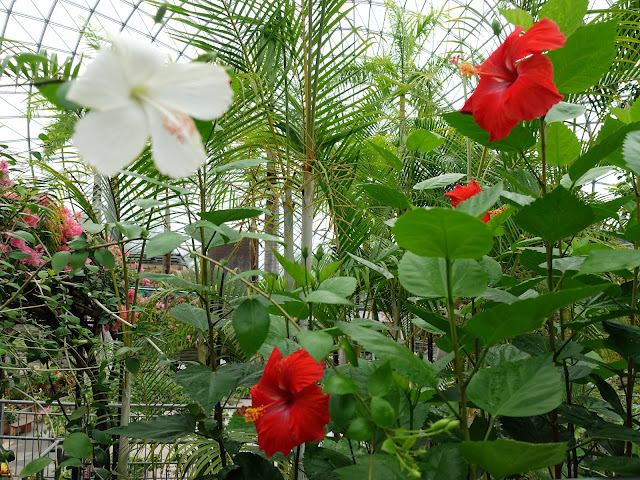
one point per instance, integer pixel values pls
(66, 27)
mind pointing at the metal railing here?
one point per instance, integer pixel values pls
(32, 430)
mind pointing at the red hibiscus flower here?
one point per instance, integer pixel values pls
(516, 81)
(460, 193)
(288, 407)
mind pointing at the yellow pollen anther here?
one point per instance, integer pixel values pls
(138, 92)
(467, 70)
(251, 414)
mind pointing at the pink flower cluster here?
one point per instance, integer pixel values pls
(70, 227)
(5, 180)
(35, 255)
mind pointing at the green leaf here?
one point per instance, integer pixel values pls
(479, 204)
(588, 177)
(56, 93)
(340, 385)
(380, 381)
(518, 389)
(386, 195)
(191, 315)
(508, 320)
(519, 140)
(376, 268)
(385, 348)
(443, 462)
(326, 296)
(129, 230)
(105, 258)
(360, 430)
(166, 428)
(60, 260)
(562, 111)
(21, 234)
(555, 216)
(240, 164)
(426, 276)
(218, 217)
(610, 260)
(585, 57)
(623, 338)
(168, 279)
(631, 152)
(562, 145)
(504, 457)
(35, 466)
(343, 286)
(132, 364)
(373, 467)
(567, 14)
(517, 17)
(317, 342)
(621, 465)
(146, 203)
(299, 274)
(251, 324)
(608, 145)
(423, 141)
(439, 181)
(207, 387)
(445, 233)
(78, 259)
(389, 157)
(78, 445)
(249, 466)
(382, 412)
(91, 227)
(318, 462)
(162, 243)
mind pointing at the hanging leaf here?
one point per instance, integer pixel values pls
(555, 216)
(481, 203)
(385, 348)
(105, 258)
(163, 243)
(426, 276)
(192, 315)
(389, 157)
(299, 274)
(508, 320)
(562, 111)
(567, 14)
(251, 324)
(386, 195)
(623, 338)
(218, 217)
(60, 260)
(504, 457)
(165, 428)
(518, 389)
(317, 342)
(206, 387)
(423, 141)
(610, 260)
(562, 145)
(439, 232)
(585, 58)
(519, 140)
(78, 445)
(517, 17)
(35, 466)
(439, 181)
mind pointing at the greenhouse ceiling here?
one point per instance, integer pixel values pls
(66, 28)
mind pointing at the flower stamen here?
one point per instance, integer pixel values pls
(251, 414)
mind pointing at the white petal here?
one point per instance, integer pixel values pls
(103, 85)
(200, 90)
(109, 140)
(140, 61)
(175, 143)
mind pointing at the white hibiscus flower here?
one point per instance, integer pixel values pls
(134, 94)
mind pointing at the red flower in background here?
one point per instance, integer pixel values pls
(288, 407)
(461, 193)
(516, 81)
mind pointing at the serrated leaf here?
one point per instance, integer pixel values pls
(562, 146)
(191, 315)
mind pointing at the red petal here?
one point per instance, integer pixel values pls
(274, 430)
(268, 388)
(533, 93)
(299, 370)
(309, 414)
(460, 193)
(544, 35)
